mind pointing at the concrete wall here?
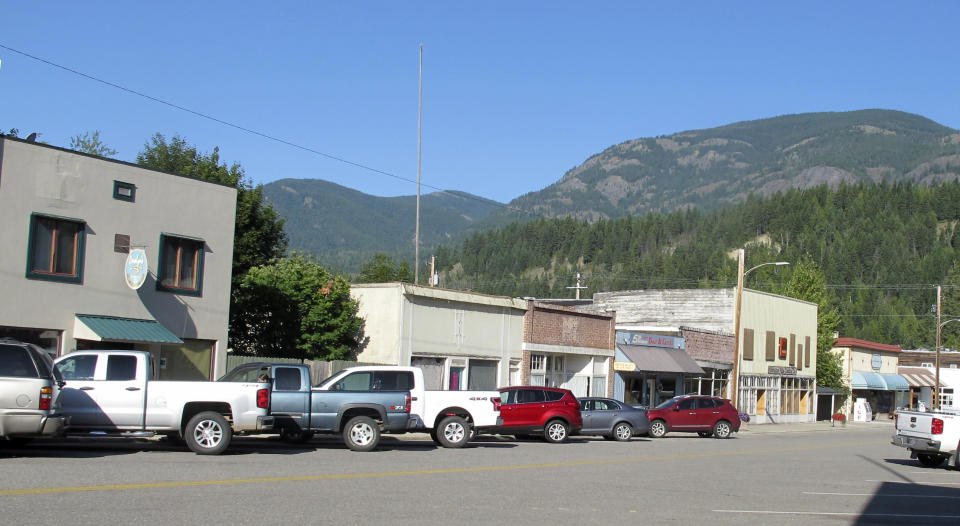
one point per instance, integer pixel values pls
(41, 179)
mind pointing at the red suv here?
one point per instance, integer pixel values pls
(705, 415)
(528, 410)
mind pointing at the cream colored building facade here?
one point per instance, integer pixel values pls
(778, 358)
(870, 370)
(462, 340)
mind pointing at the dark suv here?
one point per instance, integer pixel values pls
(28, 392)
(704, 415)
(548, 411)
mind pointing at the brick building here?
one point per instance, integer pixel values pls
(713, 352)
(566, 348)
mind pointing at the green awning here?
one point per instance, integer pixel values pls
(111, 328)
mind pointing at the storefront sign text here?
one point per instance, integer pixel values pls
(782, 371)
(627, 367)
(650, 340)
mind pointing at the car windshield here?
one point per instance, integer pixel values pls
(664, 405)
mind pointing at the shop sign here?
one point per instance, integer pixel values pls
(625, 367)
(781, 370)
(876, 362)
(135, 268)
(650, 340)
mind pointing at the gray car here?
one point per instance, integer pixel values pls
(28, 393)
(612, 419)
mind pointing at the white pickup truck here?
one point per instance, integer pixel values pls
(110, 393)
(451, 417)
(931, 437)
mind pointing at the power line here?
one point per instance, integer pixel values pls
(255, 132)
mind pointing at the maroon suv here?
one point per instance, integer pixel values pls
(705, 415)
(547, 411)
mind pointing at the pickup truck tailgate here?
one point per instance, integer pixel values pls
(912, 423)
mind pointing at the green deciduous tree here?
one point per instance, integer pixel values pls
(382, 268)
(259, 238)
(305, 313)
(808, 283)
(91, 143)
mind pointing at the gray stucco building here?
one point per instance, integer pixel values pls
(71, 220)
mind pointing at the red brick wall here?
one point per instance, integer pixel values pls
(555, 325)
(708, 345)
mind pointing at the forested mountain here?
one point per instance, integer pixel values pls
(882, 247)
(344, 228)
(722, 166)
(703, 169)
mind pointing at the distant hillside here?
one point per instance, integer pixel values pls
(703, 169)
(344, 227)
(722, 166)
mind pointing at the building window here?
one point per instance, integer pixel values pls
(538, 369)
(124, 191)
(56, 249)
(181, 265)
(946, 397)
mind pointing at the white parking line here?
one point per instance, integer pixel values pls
(882, 495)
(840, 514)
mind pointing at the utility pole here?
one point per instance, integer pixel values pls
(734, 375)
(578, 287)
(416, 235)
(433, 272)
(936, 385)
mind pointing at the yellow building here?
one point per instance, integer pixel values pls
(870, 370)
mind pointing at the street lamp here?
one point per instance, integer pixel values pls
(734, 377)
(936, 386)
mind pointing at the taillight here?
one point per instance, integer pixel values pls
(936, 427)
(406, 404)
(263, 398)
(46, 398)
(496, 402)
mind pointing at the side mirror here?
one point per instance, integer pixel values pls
(676, 408)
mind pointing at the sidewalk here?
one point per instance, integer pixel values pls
(805, 427)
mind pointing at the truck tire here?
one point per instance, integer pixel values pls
(453, 432)
(361, 434)
(930, 461)
(208, 433)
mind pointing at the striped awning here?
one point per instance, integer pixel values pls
(918, 376)
(865, 380)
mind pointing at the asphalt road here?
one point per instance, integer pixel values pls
(846, 475)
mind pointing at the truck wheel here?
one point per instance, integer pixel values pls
(453, 431)
(208, 433)
(361, 434)
(555, 431)
(930, 461)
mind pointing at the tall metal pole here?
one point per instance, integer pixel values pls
(416, 235)
(734, 376)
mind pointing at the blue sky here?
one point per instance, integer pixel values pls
(515, 93)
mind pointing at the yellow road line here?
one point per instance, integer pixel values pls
(346, 476)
